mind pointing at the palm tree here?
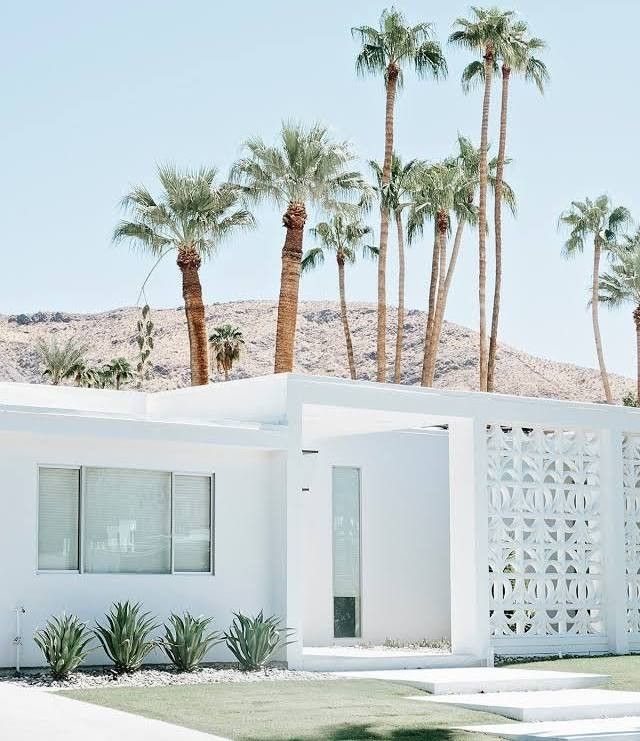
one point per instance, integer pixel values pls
(59, 362)
(85, 375)
(395, 197)
(622, 286)
(225, 342)
(342, 235)
(434, 198)
(385, 51)
(306, 168)
(517, 56)
(120, 371)
(464, 186)
(603, 222)
(486, 33)
(192, 216)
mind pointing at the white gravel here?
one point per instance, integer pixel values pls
(159, 676)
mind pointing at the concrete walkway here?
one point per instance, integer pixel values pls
(28, 714)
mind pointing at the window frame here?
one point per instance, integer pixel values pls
(81, 520)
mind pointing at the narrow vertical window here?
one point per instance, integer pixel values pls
(346, 552)
(58, 511)
(192, 497)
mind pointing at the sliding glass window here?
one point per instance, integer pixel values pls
(124, 521)
(346, 552)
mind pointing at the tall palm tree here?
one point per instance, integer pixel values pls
(518, 55)
(342, 235)
(385, 51)
(395, 197)
(60, 362)
(621, 285)
(192, 216)
(603, 222)
(226, 343)
(487, 33)
(306, 168)
(119, 371)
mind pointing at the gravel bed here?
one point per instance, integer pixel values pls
(159, 676)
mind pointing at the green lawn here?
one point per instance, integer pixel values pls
(339, 710)
(334, 709)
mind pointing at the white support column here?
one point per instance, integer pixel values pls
(612, 494)
(468, 533)
(294, 568)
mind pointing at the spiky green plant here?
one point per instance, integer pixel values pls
(125, 637)
(65, 642)
(254, 640)
(186, 640)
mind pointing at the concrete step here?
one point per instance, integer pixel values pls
(347, 658)
(548, 705)
(607, 729)
(473, 680)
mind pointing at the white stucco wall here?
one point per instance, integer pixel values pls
(249, 540)
(404, 535)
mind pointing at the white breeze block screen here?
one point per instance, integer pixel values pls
(545, 535)
(631, 481)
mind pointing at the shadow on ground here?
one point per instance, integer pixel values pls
(359, 731)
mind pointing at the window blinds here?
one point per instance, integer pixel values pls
(192, 523)
(58, 507)
(127, 521)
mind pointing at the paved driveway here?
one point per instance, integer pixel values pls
(29, 714)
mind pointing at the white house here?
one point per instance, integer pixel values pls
(355, 511)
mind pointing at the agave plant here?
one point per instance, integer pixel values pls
(253, 641)
(65, 643)
(125, 638)
(186, 640)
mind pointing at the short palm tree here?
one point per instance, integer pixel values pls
(395, 197)
(342, 236)
(60, 362)
(436, 194)
(385, 51)
(226, 343)
(192, 216)
(600, 220)
(120, 371)
(621, 285)
(306, 168)
(85, 375)
(487, 33)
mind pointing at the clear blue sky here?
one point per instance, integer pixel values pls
(95, 94)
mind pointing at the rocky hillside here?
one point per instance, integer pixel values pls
(320, 348)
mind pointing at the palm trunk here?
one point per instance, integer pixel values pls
(381, 350)
(226, 373)
(397, 371)
(345, 318)
(442, 301)
(189, 263)
(293, 220)
(636, 320)
(443, 225)
(497, 210)
(433, 287)
(594, 318)
(482, 215)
